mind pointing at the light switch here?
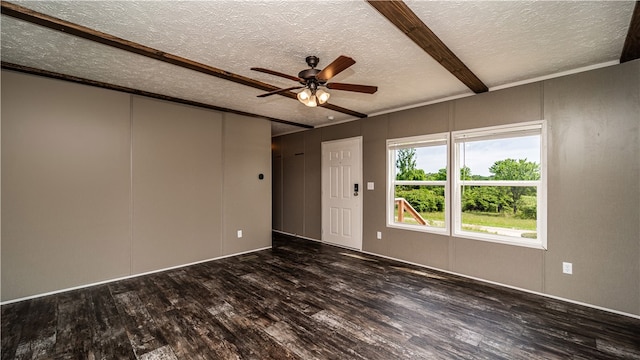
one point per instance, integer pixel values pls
(370, 185)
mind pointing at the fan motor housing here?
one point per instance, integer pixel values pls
(308, 74)
(312, 61)
(310, 81)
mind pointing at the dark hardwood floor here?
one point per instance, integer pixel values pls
(305, 300)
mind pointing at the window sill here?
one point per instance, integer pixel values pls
(505, 240)
(420, 228)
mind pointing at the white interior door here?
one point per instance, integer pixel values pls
(341, 192)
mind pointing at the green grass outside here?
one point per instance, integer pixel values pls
(498, 220)
(434, 219)
(433, 216)
(507, 221)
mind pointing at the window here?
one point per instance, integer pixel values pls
(499, 184)
(418, 187)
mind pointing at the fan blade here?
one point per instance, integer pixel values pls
(353, 87)
(267, 71)
(280, 90)
(337, 66)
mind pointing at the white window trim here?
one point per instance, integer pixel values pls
(453, 185)
(494, 132)
(394, 144)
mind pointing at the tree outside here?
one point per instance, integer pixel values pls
(406, 165)
(511, 169)
(484, 207)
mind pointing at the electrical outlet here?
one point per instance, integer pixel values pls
(379, 235)
(567, 268)
(239, 233)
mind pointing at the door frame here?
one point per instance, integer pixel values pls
(361, 189)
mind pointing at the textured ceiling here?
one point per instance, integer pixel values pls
(501, 42)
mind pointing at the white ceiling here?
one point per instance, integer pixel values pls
(502, 42)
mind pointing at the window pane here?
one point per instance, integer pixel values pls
(420, 205)
(514, 158)
(421, 163)
(500, 210)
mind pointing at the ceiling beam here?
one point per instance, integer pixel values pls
(631, 49)
(83, 81)
(34, 17)
(410, 24)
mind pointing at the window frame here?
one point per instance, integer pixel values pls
(453, 185)
(496, 132)
(437, 139)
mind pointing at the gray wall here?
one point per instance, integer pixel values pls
(176, 184)
(65, 185)
(247, 199)
(98, 185)
(593, 121)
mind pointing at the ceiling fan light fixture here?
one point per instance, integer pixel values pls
(312, 102)
(304, 95)
(312, 79)
(322, 96)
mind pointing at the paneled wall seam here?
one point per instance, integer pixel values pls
(452, 245)
(131, 222)
(223, 228)
(304, 187)
(544, 252)
(281, 191)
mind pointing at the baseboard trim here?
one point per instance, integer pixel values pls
(298, 236)
(316, 240)
(128, 277)
(617, 312)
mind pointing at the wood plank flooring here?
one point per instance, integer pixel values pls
(306, 300)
